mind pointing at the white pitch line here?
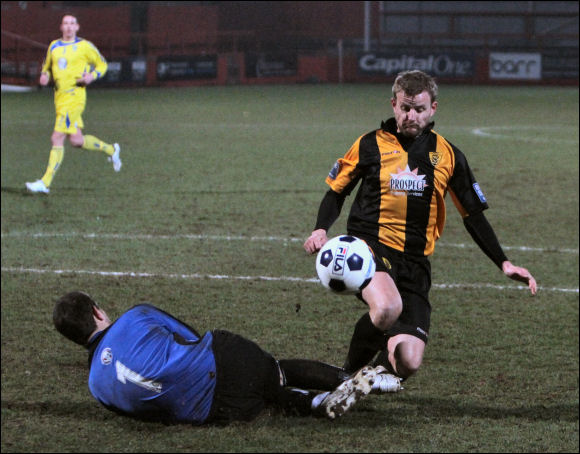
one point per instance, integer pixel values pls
(161, 275)
(257, 278)
(512, 248)
(145, 236)
(486, 132)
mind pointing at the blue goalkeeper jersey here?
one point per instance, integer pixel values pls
(150, 365)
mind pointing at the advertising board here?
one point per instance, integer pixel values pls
(448, 65)
(515, 66)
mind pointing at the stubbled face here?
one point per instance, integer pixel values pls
(413, 113)
(69, 28)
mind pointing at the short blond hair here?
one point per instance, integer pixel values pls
(414, 82)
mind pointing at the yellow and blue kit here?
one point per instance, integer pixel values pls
(67, 61)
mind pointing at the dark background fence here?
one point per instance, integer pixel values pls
(160, 43)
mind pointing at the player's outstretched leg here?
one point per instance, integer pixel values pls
(113, 151)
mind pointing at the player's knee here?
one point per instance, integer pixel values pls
(57, 139)
(408, 366)
(76, 141)
(408, 360)
(385, 314)
(384, 301)
(413, 364)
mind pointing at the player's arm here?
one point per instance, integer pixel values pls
(483, 234)
(46, 69)
(98, 64)
(328, 212)
(342, 179)
(470, 202)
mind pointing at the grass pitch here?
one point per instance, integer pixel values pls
(218, 190)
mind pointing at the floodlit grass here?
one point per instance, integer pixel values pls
(219, 187)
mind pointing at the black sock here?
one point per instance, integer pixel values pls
(382, 359)
(366, 341)
(293, 401)
(308, 374)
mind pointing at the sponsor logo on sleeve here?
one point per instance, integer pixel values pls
(479, 193)
(334, 171)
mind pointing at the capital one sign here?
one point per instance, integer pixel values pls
(515, 66)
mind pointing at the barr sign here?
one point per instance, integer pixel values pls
(518, 66)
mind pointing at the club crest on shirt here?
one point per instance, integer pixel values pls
(434, 157)
(107, 356)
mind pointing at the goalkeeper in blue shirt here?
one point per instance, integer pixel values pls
(152, 366)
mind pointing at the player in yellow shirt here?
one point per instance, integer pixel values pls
(72, 63)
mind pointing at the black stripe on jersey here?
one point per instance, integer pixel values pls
(365, 210)
(418, 206)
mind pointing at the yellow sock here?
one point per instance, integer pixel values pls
(54, 160)
(93, 143)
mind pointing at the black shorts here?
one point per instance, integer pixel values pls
(412, 276)
(247, 377)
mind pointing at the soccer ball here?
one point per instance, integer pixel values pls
(345, 264)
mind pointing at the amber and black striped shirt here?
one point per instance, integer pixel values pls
(401, 199)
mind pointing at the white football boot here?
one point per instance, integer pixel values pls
(348, 393)
(385, 382)
(37, 186)
(115, 158)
